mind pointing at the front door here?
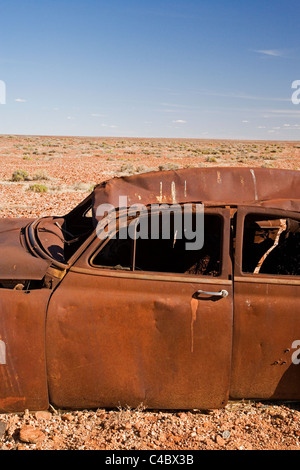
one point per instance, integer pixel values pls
(266, 333)
(23, 379)
(151, 328)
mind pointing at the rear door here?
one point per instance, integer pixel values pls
(266, 305)
(154, 328)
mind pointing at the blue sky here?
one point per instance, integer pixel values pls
(159, 68)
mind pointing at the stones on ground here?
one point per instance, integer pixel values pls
(30, 434)
(43, 415)
(67, 417)
(220, 441)
(3, 427)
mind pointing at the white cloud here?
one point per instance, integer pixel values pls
(20, 100)
(106, 125)
(243, 96)
(270, 52)
(179, 121)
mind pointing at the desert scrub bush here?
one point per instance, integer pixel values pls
(85, 187)
(38, 188)
(40, 175)
(268, 157)
(127, 167)
(168, 166)
(141, 169)
(267, 165)
(211, 159)
(20, 175)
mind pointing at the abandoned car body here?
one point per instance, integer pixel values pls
(89, 321)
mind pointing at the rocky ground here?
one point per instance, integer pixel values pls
(49, 176)
(239, 426)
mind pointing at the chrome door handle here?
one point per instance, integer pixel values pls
(222, 293)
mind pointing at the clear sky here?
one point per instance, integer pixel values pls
(157, 68)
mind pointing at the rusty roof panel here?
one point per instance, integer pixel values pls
(227, 186)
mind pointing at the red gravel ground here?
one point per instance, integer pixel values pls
(61, 171)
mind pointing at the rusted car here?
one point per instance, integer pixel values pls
(94, 319)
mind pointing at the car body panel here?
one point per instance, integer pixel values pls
(78, 336)
(23, 380)
(212, 186)
(140, 337)
(16, 261)
(266, 324)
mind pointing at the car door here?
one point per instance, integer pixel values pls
(23, 379)
(266, 305)
(123, 334)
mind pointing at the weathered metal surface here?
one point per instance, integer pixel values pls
(23, 382)
(16, 262)
(266, 324)
(224, 186)
(129, 341)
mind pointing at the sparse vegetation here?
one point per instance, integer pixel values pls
(40, 175)
(20, 175)
(70, 164)
(38, 188)
(168, 167)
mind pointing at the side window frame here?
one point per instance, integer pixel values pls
(226, 266)
(241, 217)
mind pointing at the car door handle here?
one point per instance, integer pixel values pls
(222, 293)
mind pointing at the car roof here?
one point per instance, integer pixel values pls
(266, 187)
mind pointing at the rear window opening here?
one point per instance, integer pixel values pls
(165, 255)
(271, 245)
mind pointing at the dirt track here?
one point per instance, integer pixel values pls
(59, 173)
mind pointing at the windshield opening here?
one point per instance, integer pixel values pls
(60, 237)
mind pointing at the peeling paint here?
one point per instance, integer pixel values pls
(160, 191)
(254, 181)
(173, 191)
(2, 353)
(194, 306)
